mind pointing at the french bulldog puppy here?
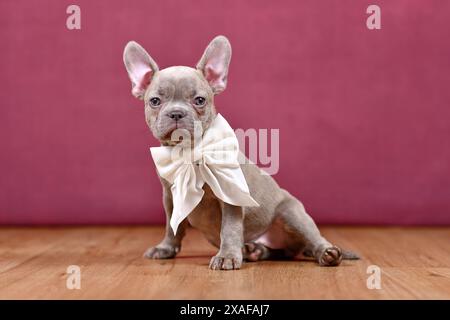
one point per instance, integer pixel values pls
(279, 228)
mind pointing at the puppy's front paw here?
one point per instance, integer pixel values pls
(225, 262)
(161, 252)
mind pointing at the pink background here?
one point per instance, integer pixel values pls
(364, 116)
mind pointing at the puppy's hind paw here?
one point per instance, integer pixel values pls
(253, 251)
(161, 252)
(331, 256)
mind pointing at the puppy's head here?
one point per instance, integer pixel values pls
(176, 97)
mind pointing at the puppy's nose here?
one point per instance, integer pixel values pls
(176, 115)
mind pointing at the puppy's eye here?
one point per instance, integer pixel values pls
(199, 101)
(154, 102)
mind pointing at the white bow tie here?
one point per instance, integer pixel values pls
(213, 160)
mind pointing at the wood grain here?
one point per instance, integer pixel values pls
(415, 264)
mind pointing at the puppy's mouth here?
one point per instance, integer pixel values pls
(176, 125)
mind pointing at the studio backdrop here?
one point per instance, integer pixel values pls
(363, 114)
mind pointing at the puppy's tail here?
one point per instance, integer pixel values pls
(349, 255)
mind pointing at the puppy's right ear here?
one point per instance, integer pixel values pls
(140, 66)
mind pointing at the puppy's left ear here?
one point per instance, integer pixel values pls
(215, 62)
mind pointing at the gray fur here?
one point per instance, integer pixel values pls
(279, 228)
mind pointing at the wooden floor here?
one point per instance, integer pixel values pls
(414, 262)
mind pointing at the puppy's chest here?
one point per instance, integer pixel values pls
(207, 214)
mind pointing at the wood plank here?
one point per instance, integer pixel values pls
(415, 264)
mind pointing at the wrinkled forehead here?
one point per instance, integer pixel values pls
(176, 81)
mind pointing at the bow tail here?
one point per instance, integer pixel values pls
(228, 184)
(187, 192)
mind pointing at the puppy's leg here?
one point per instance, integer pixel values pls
(305, 232)
(231, 239)
(171, 244)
